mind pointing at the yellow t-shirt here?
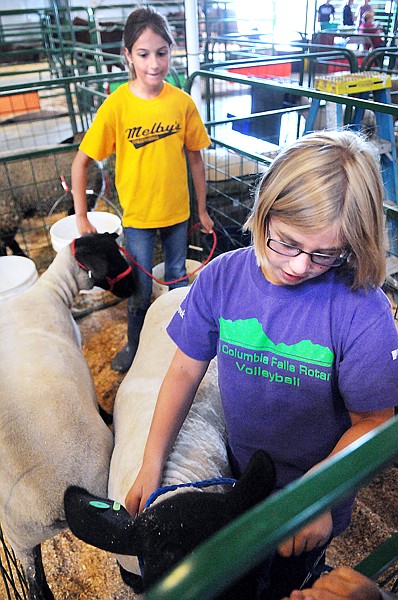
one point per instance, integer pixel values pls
(149, 137)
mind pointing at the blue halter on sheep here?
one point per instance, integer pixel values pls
(166, 532)
(51, 432)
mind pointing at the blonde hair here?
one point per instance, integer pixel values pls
(327, 179)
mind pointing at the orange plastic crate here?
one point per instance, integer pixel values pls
(19, 103)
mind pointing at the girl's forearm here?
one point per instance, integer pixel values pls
(79, 186)
(199, 179)
(79, 183)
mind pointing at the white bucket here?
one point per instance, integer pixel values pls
(17, 274)
(158, 271)
(64, 231)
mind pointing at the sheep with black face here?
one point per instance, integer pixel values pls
(51, 433)
(165, 533)
(200, 452)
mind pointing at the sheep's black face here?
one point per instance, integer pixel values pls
(169, 531)
(99, 254)
(165, 533)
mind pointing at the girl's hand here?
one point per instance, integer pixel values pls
(147, 481)
(84, 226)
(341, 584)
(314, 535)
(318, 532)
(206, 222)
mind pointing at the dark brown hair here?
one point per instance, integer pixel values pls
(145, 18)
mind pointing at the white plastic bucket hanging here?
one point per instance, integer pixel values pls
(17, 274)
(158, 271)
(64, 231)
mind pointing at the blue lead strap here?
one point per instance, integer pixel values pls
(171, 488)
(196, 484)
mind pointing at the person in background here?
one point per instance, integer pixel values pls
(325, 12)
(369, 27)
(296, 321)
(348, 17)
(362, 9)
(151, 125)
(343, 583)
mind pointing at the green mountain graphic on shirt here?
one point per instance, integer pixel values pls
(249, 334)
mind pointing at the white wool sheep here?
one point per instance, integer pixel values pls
(134, 405)
(51, 433)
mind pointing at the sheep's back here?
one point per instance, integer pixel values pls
(200, 450)
(136, 397)
(51, 434)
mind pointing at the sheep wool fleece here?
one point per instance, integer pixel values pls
(292, 360)
(149, 137)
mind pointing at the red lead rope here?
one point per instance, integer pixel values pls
(128, 270)
(188, 275)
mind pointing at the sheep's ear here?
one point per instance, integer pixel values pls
(258, 479)
(100, 522)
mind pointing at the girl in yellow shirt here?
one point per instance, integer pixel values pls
(152, 127)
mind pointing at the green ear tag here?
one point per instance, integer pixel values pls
(98, 504)
(116, 506)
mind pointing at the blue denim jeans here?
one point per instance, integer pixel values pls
(280, 576)
(140, 243)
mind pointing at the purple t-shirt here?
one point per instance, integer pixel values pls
(292, 360)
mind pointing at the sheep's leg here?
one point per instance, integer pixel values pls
(13, 245)
(132, 580)
(106, 417)
(38, 586)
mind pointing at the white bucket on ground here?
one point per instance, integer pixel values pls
(64, 231)
(17, 274)
(158, 271)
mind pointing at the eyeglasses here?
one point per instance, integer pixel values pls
(323, 260)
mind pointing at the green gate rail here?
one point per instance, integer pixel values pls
(246, 542)
(295, 57)
(380, 559)
(293, 89)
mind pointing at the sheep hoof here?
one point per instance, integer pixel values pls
(132, 580)
(106, 417)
